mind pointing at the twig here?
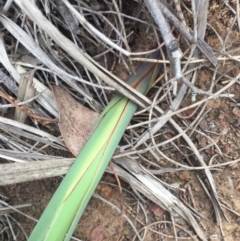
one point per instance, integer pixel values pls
(7, 210)
(171, 43)
(203, 46)
(75, 52)
(25, 109)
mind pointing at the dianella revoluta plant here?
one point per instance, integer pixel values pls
(64, 210)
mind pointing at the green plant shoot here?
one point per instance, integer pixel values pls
(63, 212)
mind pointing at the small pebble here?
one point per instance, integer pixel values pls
(157, 211)
(98, 234)
(182, 234)
(215, 237)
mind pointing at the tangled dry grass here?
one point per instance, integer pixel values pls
(184, 135)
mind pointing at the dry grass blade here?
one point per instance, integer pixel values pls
(150, 187)
(44, 136)
(71, 49)
(6, 63)
(25, 92)
(202, 17)
(188, 34)
(6, 210)
(15, 73)
(46, 97)
(29, 171)
(29, 43)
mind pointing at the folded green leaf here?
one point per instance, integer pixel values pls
(68, 203)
